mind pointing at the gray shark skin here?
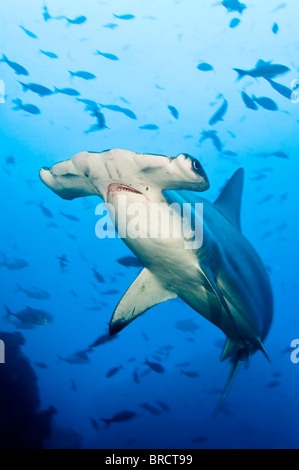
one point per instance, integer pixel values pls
(224, 280)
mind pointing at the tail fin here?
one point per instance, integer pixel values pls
(24, 86)
(107, 421)
(18, 104)
(56, 90)
(8, 312)
(235, 367)
(4, 58)
(3, 260)
(241, 73)
(72, 74)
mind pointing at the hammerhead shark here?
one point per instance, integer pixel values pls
(223, 279)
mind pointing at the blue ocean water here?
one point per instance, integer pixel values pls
(159, 47)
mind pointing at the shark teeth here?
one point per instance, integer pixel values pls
(116, 187)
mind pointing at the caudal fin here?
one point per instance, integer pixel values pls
(234, 369)
(4, 58)
(241, 73)
(24, 86)
(18, 104)
(8, 313)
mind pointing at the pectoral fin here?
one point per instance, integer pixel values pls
(145, 292)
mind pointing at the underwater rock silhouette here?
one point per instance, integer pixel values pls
(22, 424)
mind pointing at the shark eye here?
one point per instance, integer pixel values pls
(197, 167)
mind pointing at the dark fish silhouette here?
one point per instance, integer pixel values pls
(51, 55)
(205, 67)
(266, 199)
(79, 357)
(173, 111)
(218, 116)
(19, 70)
(110, 292)
(157, 358)
(130, 262)
(124, 17)
(107, 55)
(34, 293)
(46, 13)
(277, 374)
(234, 22)
(98, 276)
(183, 364)
(101, 122)
(120, 417)
(73, 385)
(279, 7)
(266, 103)
(214, 138)
(83, 74)
(187, 326)
(110, 25)
(103, 339)
(31, 315)
(234, 5)
(155, 366)
(263, 69)
(63, 262)
(94, 423)
(149, 127)
(74, 218)
(67, 91)
(249, 102)
(36, 88)
(13, 265)
(119, 109)
(281, 89)
(278, 153)
(136, 376)
(153, 410)
(275, 28)
(90, 105)
(163, 405)
(190, 374)
(144, 336)
(45, 211)
(78, 20)
(28, 108)
(41, 365)
(114, 370)
(29, 33)
(10, 160)
(273, 383)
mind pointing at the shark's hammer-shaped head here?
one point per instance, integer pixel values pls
(115, 171)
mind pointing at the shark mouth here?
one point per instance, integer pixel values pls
(116, 187)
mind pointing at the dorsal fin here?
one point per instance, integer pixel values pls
(229, 200)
